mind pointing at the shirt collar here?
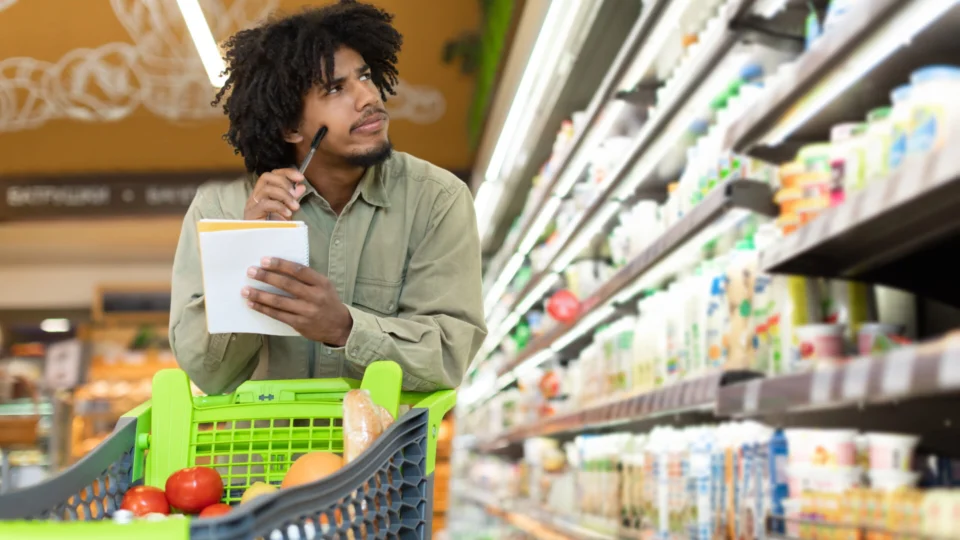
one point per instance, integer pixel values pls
(371, 187)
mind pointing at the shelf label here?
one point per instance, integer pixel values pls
(64, 364)
(856, 378)
(898, 371)
(821, 386)
(751, 395)
(949, 373)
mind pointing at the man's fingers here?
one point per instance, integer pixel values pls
(270, 206)
(297, 271)
(285, 304)
(290, 175)
(272, 192)
(283, 282)
(280, 315)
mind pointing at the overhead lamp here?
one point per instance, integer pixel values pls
(541, 66)
(204, 41)
(55, 326)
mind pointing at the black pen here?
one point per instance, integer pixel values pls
(321, 133)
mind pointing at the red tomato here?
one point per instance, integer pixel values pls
(194, 488)
(218, 509)
(143, 500)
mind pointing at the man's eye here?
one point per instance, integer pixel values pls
(365, 77)
(334, 90)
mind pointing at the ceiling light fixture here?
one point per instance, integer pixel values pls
(204, 41)
(55, 326)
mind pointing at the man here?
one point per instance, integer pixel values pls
(394, 250)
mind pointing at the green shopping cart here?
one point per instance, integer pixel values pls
(252, 435)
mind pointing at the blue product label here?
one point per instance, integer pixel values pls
(924, 136)
(898, 150)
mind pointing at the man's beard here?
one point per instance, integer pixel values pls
(372, 157)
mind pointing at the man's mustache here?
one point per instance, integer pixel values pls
(368, 116)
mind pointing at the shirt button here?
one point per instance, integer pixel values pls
(390, 306)
(326, 350)
(355, 351)
(336, 242)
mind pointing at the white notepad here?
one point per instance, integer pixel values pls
(227, 249)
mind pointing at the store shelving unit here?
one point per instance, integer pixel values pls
(899, 231)
(896, 232)
(687, 402)
(731, 199)
(846, 73)
(636, 176)
(531, 520)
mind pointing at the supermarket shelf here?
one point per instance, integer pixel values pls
(26, 407)
(914, 389)
(742, 194)
(533, 223)
(847, 72)
(688, 401)
(897, 232)
(649, 148)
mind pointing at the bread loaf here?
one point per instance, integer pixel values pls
(361, 423)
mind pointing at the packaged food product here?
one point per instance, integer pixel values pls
(819, 343)
(876, 338)
(833, 448)
(361, 423)
(846, 160)
(892, 480)
(901, 120)
(891, 451)
(934, 107)
(876, 147)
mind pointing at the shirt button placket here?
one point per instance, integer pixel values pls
(337, 268)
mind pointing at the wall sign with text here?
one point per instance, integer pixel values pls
(29, 199)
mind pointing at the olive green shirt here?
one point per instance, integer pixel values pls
(404, 256)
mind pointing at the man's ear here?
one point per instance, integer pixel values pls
(292, 137)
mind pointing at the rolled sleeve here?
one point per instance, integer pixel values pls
(216, 363)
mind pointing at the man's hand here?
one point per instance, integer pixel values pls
(276, 193)
(315, 311)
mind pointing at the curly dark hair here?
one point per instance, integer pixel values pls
(270, 68)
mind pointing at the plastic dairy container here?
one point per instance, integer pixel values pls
(819, 343)
(934, 107)
(846, 160)
(891, 451)
(877, 337)
(836, 11)
(901, 120)
(876, 145)
(892, 480)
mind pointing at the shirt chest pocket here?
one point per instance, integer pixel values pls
(377, 297)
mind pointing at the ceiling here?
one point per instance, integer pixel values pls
(117, 85)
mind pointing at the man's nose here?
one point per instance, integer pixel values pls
(367, 96)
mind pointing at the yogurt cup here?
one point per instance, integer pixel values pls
(891, 451)
(834, 448)
(820, 343)
(893, 480)
(877, 337)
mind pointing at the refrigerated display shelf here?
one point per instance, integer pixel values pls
(919, 371)
(845, 73)
(652, 132)
(898, 231)
(636, 38)
(740, 194)
(687, 401)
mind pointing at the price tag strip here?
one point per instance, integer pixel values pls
(821, 386)
(898, 371)
(751, 396)
(856, 378)
(948, 376)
